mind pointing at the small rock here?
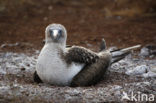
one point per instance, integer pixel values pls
(144, 52)
(118, 17)
(37, 51)
(138, 70)
(3, 45)
(50, 7)
(2, 71)
(45, 18)
(9, 45)
(153, 69)
(117, 87)
(149, 74)
(89, 45)
(148, 50)
(4, 90)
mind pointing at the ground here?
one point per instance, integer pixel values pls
(21, 38)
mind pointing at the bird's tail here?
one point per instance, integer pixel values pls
(119, 54)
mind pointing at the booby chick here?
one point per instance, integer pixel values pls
(72, 66)
(57, 64)
(51, 66)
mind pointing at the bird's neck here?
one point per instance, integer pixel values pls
(56, 46)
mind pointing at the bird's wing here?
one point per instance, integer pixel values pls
(93, 73)
(80, 55)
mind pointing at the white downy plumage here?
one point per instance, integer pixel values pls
(51, 68)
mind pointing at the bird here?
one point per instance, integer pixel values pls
(62, 65)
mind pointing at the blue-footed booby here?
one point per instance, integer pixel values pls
(72, 66)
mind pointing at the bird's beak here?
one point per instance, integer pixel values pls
(55, 33)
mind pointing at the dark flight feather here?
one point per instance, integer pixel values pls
(81, 55)
(93, 73)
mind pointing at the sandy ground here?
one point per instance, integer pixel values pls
(17, 85)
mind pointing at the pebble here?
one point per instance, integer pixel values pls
(9, 45)
(137, 70)
(50, 7)
(144, 52)
(149, 74)
(153, 69)
(148, 50)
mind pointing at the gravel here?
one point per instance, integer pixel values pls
(134, 74)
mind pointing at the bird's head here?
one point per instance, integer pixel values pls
(56, 33)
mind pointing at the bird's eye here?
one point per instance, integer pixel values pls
(60, 32)
(51, 32)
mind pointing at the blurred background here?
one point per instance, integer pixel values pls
(121, 22)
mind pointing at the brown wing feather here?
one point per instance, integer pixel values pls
(81, 55)
(93, 73)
